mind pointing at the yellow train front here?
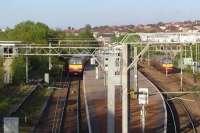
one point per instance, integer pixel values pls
(169, 67)
(75, 66)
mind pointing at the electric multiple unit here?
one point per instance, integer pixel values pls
(76, 65)
(163, 63)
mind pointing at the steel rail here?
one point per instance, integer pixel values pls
(172, 114)
(65, 104)
(58, 118)
(55, 118)
(79, 120)
(191, 119)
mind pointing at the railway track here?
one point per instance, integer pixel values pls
(72, 121)
(172, 119)
(79, 116)
(22, 108)
(25, 100)
(64, 111)
(186, 122)
(181, 119)
(51, 120)
(58, 114)
(187, 117)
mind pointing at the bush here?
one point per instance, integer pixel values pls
(38, 66)
(27, 31)
(4, 105)
(18, 70)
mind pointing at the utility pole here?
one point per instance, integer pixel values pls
(196, 56)
(185, 49)
(191, 54)
(26, 64)
(135, 71)
(166, 71)
(181, 63)
(110, 104)
(125, 88)
(50, 64)
(197, 53)
(148, 58)
(111, 82)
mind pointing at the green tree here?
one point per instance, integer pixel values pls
(27, 31)
(56, 34)
(161, 24)
(86, 32)
(38, 66)
(30, 32)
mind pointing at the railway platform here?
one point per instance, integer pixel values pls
(95, 100)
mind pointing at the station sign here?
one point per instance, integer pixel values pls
(143, 96)
(92, 61)
(46, 78)
(97, 73)
(188, 61)
(11, 125)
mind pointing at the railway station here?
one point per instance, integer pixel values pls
(107, 66)
(109, 88)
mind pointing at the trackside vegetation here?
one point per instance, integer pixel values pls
(18, 70)
(39, 33)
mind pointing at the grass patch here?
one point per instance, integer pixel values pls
(195, 88)
(32, 109)
(11, 97)
(4, 105)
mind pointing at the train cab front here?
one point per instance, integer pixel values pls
(75, 69)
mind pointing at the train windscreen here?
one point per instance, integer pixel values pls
(75, 61)
(167, 60)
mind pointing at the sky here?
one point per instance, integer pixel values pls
(77, 13)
